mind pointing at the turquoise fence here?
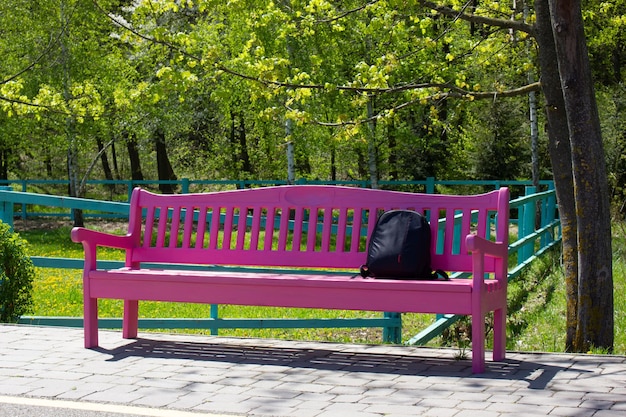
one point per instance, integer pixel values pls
(535, 229)
(120, 190)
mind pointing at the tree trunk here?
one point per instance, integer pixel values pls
(164, 167)
(291, 152)
(4, 164)
(333, 162)
(594, 324)
(133, 155)
(70, 122)
(239, 146)
(244, 156)
(561, 161)
(371, 146)
(393, 151)
(534, 126)
(106, 168)
(116, 168)
(75, 190)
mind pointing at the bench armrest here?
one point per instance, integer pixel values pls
(96, 238)
(480, 248)
(476, 243)
(91, 239)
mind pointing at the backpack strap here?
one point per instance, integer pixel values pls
(364, 271)
(440, 275)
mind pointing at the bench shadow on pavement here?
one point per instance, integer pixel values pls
(415, 361)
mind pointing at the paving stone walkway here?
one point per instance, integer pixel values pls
(172, 375)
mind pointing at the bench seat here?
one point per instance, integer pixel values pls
(286, 290)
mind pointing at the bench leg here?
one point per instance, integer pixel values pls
(90, 321)
(131, 319)
(478, 343)
(499, 334)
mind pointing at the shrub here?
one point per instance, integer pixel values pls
(16, 276)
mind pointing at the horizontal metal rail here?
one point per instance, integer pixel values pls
(220, 323)
(185, 185)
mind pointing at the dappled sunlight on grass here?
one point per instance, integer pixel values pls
(58, 292)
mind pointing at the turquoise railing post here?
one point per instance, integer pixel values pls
(6, 209)
(548, 216)
(430, 185)
(392, 334)
(214, 316)
(526, 226)
(184, 186)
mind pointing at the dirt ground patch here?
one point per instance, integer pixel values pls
(48, 223)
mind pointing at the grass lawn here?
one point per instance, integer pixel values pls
(536, 301)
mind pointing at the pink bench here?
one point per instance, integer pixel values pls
(314, 227)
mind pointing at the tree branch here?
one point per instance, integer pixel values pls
(454, 92)
(489, 21)
(26, 103)
(83, 181)
(347, 12)
(31, 65)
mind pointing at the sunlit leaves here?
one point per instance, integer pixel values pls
(605, 25)
(302, 43)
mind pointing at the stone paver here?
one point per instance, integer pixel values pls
(260, 377)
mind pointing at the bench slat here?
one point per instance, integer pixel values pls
(188, 227)
(175, 226)
(161, 226)
(465, 228)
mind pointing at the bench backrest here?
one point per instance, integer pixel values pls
(302, 226)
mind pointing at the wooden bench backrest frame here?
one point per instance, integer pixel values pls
(302, 226)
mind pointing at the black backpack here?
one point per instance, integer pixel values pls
(399, 247)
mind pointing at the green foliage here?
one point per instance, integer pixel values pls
(227, 84)
(605, 24)
(500, 145)
(16, 276)
(612, 104)
(202, 72)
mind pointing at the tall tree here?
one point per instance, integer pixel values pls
(561, 161)
(594, 296)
